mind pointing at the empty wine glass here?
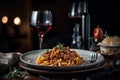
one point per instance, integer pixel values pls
(75, 10)
(41, 23)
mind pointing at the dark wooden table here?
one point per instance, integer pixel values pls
(78, 76)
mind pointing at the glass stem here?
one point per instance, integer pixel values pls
(40, 40)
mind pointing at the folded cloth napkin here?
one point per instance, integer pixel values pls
(8, 60)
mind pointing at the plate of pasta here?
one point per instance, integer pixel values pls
(61, 58)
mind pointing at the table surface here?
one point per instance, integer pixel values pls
(77, 76)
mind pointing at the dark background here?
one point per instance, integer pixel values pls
(104, 13)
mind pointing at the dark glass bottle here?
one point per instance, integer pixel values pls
(85, 16)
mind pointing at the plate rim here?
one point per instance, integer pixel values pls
(58, 72)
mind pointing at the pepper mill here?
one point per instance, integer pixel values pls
(76, 42)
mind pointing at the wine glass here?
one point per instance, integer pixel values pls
(75, 10)
(41, 23)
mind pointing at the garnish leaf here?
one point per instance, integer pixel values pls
(60, 46)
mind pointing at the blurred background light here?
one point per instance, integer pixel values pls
(17, 21)
(4, 19)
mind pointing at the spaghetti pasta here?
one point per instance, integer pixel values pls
(60, 56)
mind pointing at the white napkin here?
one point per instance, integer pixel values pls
(9, 58)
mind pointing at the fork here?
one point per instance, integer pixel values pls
(94, 57)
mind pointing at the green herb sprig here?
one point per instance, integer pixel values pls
(60, 46)
(15, 73)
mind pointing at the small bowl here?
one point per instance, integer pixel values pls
(110, 50)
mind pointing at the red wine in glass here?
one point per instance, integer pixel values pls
(41, 23)
(43, 28)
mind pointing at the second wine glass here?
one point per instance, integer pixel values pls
(41, 23)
